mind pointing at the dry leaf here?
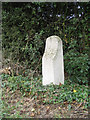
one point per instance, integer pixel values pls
(60, 84)
(59, 108)
(21, 101)
(8, 89)
(33, 110)
(48, 107)
(38, 112)
(32, 114)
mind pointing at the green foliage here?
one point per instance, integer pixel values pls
(68, 92)
(32, 87)
(27, 25)
(76, 64)
(20, 42)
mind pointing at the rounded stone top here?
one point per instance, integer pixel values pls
(53, 37)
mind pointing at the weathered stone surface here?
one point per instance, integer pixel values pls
(52, 62)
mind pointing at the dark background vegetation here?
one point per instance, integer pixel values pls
(27, 25)
(25, 28)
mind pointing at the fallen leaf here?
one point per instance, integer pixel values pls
(48, 107)
(60, 84)
(38, 112)
(8, 89)
(33, 110)
(27, 100)
(32, 115)
(59, 108)
(21, 102)
(35, 106)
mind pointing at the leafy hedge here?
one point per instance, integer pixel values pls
(76, 64)
(27, 25)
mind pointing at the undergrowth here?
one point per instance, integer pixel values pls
(50, 94)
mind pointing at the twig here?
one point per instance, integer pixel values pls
(36, 67)
(78, 106)
(38, 64)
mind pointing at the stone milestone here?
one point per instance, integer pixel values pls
(52, 62)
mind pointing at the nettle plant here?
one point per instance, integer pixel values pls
(76, 64)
